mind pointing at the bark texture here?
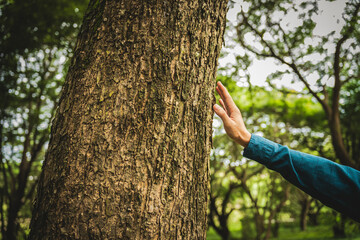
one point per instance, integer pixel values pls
(130, 142)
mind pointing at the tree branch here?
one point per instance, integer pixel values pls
(291, 65)
(348, 30)
(350, 77)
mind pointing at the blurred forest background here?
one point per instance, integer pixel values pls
(319, 116)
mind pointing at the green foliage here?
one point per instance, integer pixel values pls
(296, 45)
(38, 37)
(288, 118)
(295, 118)
(37, 41)
(350, 117)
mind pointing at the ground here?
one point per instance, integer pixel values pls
(292, 232)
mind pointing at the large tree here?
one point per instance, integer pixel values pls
(130, 142)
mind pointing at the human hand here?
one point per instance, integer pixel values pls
(231, 117)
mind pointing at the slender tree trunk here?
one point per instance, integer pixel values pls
(222, 228)
(314, 213)
(12, 225)
(130, 142)
(305, 207)
(224, 232)
(259, 226)
(339, 226)
(275, 211)
(337, 140)
(17, 194)
(32, 145)
(314, 218)
(275, 229)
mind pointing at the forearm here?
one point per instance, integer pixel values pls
(335, 185)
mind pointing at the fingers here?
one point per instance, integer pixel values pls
(221, 113)
(223, 105)
(227, 99)
(219, 92)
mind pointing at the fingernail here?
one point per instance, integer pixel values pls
(216, 107)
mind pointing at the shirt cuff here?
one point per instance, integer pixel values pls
(260, 149)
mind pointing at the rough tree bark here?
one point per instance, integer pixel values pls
(130, 142)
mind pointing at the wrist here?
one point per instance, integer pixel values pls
(247, 139)
(244, 139)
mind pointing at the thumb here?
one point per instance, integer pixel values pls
(221, 113)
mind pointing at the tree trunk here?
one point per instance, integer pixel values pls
(275, 229)
(314, 214)
(313, 219)
(259, 226)
(224, 232)
(305, 207)
(130, 142)
(222, 228)
(339, 226)
(337, 140)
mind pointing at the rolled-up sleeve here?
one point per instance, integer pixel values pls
(335, 185)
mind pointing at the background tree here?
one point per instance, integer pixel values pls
(239, 185)
(286, 117)
(291, 48)
(36, 41)
(221, 203)
(324, 64)
(130, 142)
(350, 116)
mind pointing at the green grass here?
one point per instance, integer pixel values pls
(312, 233)
(322, 232)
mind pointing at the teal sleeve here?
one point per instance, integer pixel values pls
(335, 185)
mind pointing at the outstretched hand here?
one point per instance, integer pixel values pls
(231, 117)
